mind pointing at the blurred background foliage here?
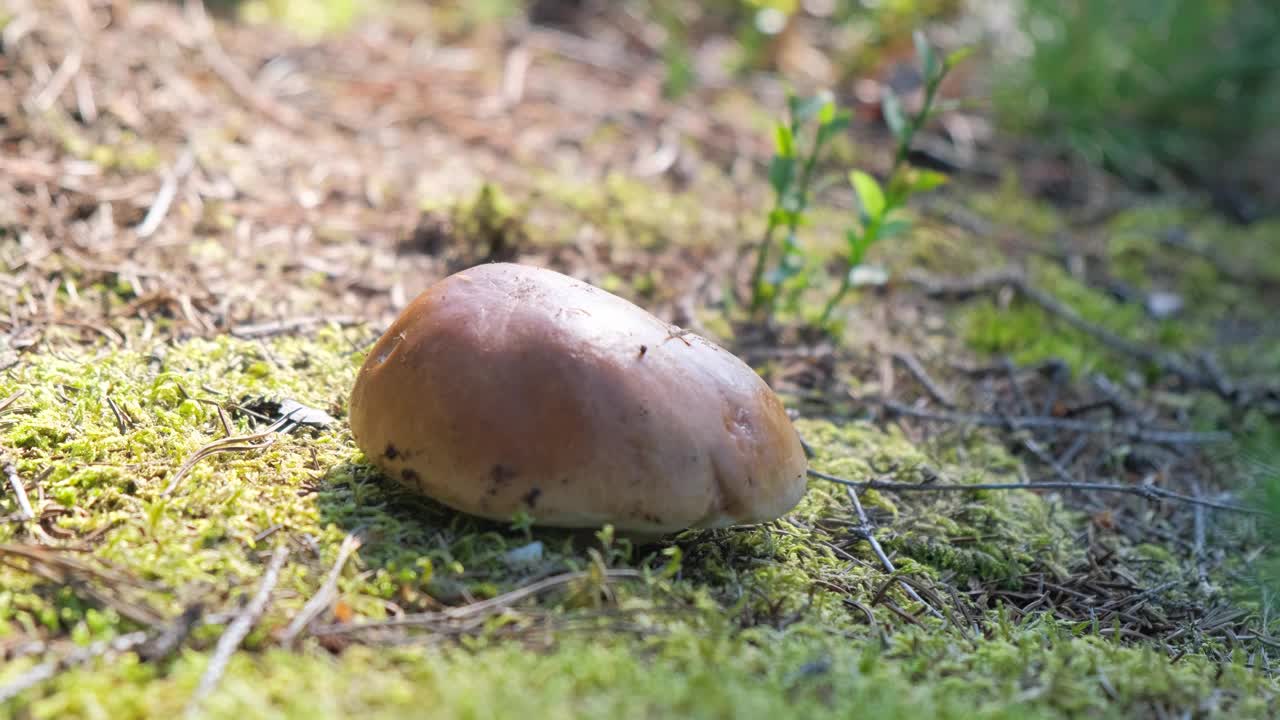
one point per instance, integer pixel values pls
(1162, 93)
(1155, 90)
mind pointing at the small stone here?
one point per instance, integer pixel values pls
(524, 556)
(1162, 305)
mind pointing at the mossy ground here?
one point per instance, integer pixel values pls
(124, 351)
(744, 623)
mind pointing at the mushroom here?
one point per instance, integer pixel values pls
(507, 388)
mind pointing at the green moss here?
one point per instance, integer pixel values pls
(1029, 334)
(729, 623)
(987, 535)
(1011, 207)
(309, 18)
(123, 151)
(631, 213)
(1041, 670)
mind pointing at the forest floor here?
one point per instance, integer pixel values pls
(201, 220)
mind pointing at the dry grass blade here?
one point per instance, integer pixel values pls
(256, 441)
(281, 327)
(325, 595)
(5, 403)
(238, 630)
(66, 570)
(238, 443)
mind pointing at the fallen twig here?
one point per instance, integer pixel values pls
(931, 386)
(1149, 492)
(474, 610)
(167, 642)
(235, 78)
(1169, 362)
(168, 191)
(1016, 422)
(10, 471)
(867, 532)
(238, 630)
(66, 569)
(254, 441)
(5, 403)
(80, 655)
(281, 327)
(325, 595)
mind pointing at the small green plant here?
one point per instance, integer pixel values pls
(791, 174)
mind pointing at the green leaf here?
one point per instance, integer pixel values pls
(869, 193)
(894, 227)
(925, 180)
(781, 173)
(827, 113)
(828, 130)
(955, 57)
(791, 264)
(840, 121)
(791, 203)
(803, 110)
(891, 107)
(857, 246)
(924, 52)
(784, 140)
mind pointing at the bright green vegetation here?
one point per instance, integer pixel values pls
(1037, 671)
(794, 175)
(1149, 88)
(308, 18)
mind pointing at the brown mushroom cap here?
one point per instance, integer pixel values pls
(506, 387)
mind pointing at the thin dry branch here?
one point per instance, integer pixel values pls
(1022, 422)
(867, 531)
(104, 586)
(168, 191)
(1149, 492)
(931, 386)
(325, 595)
(79, 656)
(473, 611)
(25, 512)
(238, 630)
(1169, 362)
(235, 78)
